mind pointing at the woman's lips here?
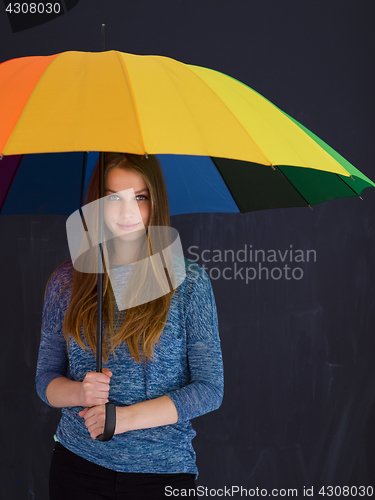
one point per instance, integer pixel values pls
(128, 228)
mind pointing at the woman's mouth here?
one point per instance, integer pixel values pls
(128, 227)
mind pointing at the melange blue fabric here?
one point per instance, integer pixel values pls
(187, 366)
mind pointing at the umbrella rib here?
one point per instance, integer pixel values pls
(357, 194)
(84, 164)
(125, 70)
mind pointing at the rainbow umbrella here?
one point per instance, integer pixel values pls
(222, 146)
(208, 129)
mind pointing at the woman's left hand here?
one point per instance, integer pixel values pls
(94, 419)
(144, 415)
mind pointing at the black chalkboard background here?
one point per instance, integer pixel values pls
(299, 405)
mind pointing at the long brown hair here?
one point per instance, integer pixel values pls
(140, 326)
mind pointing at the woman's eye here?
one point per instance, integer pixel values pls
(114, 197)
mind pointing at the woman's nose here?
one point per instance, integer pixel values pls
(129, 209)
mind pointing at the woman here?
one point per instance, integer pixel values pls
(162, 359)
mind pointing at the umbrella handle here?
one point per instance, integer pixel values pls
(110, 422)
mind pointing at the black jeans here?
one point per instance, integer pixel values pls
(74, 478)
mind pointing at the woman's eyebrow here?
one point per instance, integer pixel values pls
(137, 192)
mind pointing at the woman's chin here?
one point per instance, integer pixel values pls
(132, 235)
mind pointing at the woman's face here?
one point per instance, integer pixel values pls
(124, 211)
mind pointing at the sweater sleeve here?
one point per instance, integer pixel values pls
(206, 388)
(53, 356)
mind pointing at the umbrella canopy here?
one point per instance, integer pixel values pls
(208, 130)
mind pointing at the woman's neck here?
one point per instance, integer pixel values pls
(125, 252)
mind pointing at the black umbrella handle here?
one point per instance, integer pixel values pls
(110, 422)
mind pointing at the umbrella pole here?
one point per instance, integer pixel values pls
(100, 241)
(110, 408)
(100, 268)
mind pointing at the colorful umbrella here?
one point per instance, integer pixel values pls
(209, 130)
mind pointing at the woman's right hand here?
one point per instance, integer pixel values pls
(95, 388)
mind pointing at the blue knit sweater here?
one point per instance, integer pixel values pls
(187, 366)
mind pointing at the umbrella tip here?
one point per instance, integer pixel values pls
(146, 156)
(361, 198)
(1, 157)
(102, 38)
(352, 178)
(310, 207)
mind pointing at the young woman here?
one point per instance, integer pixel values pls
(162, 359)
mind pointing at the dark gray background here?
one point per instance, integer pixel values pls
(298, 354)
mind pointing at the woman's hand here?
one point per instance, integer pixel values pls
(95, 388)
(94, 420)
(150, 413)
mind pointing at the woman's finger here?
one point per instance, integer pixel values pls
(107, 372)
(82, 413)
(91, 424)
(96, 427)
(95, 420)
